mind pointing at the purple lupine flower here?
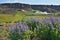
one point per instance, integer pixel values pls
(45, 21)
(52, 26)
(33, 23)
(59, 20)
(56, 19)
(33, 20)
(50, 22)
(12, 29)
(17, 26)
(23, 27)
(51, 19)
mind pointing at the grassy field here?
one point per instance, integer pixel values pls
(8, 23)
(19, 16)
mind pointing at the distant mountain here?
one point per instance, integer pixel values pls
(13, 7)
(16, 6)
(46, 8)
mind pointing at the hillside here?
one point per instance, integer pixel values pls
(14, 7)
(47, 8)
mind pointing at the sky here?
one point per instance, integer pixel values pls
(37, 2)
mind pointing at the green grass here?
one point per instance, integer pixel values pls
(20, 16)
